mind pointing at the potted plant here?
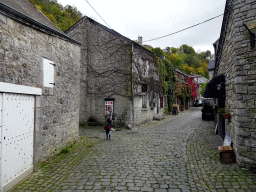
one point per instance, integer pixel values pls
(224, 112)
(182, 107)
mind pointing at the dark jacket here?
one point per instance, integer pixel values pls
(107, 128)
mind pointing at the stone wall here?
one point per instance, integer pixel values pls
(238, 64)
(112, 67)
(22, 50)
(105, 72)
(211, 74)
(145, 72)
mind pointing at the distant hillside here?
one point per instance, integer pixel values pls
(62, 17)
(186, 59)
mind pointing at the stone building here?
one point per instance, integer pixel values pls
(211, 66)
(233, 84)
(182, 78)
(39, 89)
(116, 72)
(198, 80)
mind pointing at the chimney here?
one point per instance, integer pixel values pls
(140, 40)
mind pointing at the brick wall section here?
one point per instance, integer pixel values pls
(22, 50)
(238, 64)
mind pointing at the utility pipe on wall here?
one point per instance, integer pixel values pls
(132, 88)
(1, 152)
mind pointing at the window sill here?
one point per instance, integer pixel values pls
(144, 109)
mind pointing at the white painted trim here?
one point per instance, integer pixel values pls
(13, 88)
(18, 179)
(1, 152)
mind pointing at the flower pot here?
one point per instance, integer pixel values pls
(226, 116)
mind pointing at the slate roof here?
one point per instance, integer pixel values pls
(216, 42)
(211, 65)
(23, 10)
(27, 8)
(177, 70)
(221, 41)
(100, 25)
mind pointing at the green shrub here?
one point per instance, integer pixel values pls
(64, 150)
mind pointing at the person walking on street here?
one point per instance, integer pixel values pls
(109, 116)
(107, 128)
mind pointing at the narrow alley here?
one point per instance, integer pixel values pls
(178, 153)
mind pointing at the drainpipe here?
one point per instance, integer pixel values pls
(1, 153)
(132, 88)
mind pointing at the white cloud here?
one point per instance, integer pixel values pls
(152, 19)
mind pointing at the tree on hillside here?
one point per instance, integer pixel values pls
(158, 51)
(208, 54)
(192, 60)
(62, 17)
(168, 49)
(175, 59)
(187, 49)
(174, 50)
(188, 69)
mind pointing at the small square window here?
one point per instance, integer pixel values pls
(144, 88)
(48, 70)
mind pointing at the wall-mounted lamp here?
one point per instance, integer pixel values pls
(219, 87)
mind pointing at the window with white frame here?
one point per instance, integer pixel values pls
(48, 70)
(144, 101)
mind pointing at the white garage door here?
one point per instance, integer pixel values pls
(17, 132)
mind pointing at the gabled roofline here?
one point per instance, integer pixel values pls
(217, 41)
(18, 16)
(176, 69)
(100, 25)
(75, 25)
(107, 29)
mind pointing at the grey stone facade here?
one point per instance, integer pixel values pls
(111, 70)
(236, 60)
(145, 72)
(23, 46)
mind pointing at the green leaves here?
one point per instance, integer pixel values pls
(158, 51)
(162, 73)
(62, 17)
(203, 86)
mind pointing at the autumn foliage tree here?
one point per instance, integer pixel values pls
(62, 17)
(187, 60)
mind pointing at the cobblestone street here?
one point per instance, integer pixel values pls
(178, 153)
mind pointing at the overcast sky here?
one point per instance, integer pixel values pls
(152, 19)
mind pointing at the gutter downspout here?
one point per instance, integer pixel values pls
(132, 87)
(1, 153)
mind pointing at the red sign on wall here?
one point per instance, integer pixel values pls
(109, 104)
